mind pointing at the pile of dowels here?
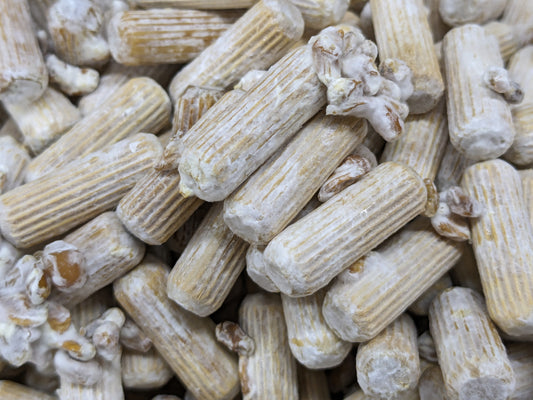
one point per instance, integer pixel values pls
(216, 200)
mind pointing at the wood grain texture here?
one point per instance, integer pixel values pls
(503, 244)
(164, 35)
(187, 342)
(23, 74)
(256, 41)
(45, 208)
(479, 120)
(471, 354)
(208, 267)
(141, 105)
(270, 371)
(403, 33)
(308, 254)
(270, 199)
(376, 289)
(240, 132)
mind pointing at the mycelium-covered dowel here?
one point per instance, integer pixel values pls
(375, 290)
(237, 135)
(164, 35)
(142, 367)
(505, 36)
(311, 340)
(110, 252)
(431, 384)
(76, 29)
(503, 244)
(397, 25)
(208, 267)
(255, 268)
(318, 14)
(187, 342)
(267, 202)
(456, 13)
(141, 105)
(116, 75)
(154, 209)
(45, 208)
(194, 4)
(519, 15)
(23, 75)
(521, 70)
(526, 176)
(388, 365)
(312, 384)
(471, 354)
(269, 371)
(521, 358)
(421, 305)
(422, 143)
(308, 254)
(15, 391)
(451, 168)
(479, 119)
(142, 371)
(13, 161)
(43, 121)
(256, 41)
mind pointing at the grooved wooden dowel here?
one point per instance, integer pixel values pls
(502, 239)
(521, 70)
(194, 4)
(479, 120)
(142, 371)
(311, 340)
(155, 209)
(505, 36)
(456, 13)
(110, 252)
(186, 341)
(519, 15)
(267, 202)
(164, 35)
(141, 105)
(43, 121)
(13, 161)
(238, 134)
(269, 372)
(208, 267)
(398, 25)
(471, 354)
(308, 254)
(388, 365)
(43, 209)
(23, 74)
(116, 75)
(375, 290)
(422, 143)
(256, 41)
(526, 177)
